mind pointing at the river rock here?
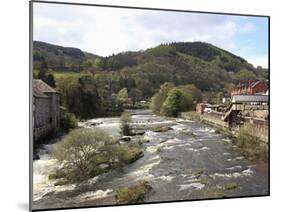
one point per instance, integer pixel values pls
(139, 132)
(137, 156)
(103, 166)
(95, 124)
(162, 129)
(125, 138)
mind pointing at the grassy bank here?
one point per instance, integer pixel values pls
(250, 144)
(192, 115)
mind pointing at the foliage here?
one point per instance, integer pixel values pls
(136, 95)
(192, 115)
(60, 58)
(230, 186)
(244, 76)
(197, 49)
(50, 80)
(219, 97)
(171, 100)
(70, 90)
(128, 153)
(44, 74)
(162, 51)
(250, 143)
(133, 194)
(125, 124)
(92, 86)
(158, 99)
(122, 97)
(82, 153)
(176, 102)
(215, 194)
(68, 121)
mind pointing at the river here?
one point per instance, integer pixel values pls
(189, 161)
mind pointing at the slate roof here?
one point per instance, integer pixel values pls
(37, 93)
(250, 98)
(43, 87)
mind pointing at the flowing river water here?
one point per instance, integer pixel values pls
(189, 161)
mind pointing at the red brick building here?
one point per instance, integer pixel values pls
(200, 108)
(251, 88)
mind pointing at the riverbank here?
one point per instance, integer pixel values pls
(251, 137)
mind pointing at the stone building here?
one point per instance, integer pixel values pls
(46, 110)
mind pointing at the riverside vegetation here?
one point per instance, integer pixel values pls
(251, 145)
(86, 153)
(95, 86)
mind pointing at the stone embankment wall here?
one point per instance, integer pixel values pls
(215, 120)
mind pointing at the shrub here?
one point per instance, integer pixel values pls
(215, 194)
(133, 194)
(230, 186)
(175, 102)
(250, 143)
(125, 122)
(193, 115)
(82, 151)
(128, 153)
(68, 121)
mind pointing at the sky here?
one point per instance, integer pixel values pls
(104, 31)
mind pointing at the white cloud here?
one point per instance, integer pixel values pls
(104, 31)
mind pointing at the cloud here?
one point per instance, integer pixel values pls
(104, 31)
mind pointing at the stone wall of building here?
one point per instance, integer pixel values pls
(54, 109)
(46, 116)
(41, 112)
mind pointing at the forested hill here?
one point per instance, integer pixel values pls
(58, 56)
(141, 73)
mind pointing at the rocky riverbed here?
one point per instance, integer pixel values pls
(182, 160)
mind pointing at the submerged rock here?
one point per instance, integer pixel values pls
(93, 124)
(162, 129)
(103, 166)
(125, 138)
(138, 132)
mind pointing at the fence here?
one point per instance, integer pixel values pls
(40, 133)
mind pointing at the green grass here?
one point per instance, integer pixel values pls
(68, 73)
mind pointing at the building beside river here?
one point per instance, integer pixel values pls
(253, 87)
(46, 110)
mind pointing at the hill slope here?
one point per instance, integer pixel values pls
(58, 56)
(202, 64)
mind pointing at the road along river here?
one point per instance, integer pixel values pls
(188, 161)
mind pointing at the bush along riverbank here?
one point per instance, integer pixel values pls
(250, 144)
(86, 153)
(252, 147)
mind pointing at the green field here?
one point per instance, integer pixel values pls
(57, 75)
